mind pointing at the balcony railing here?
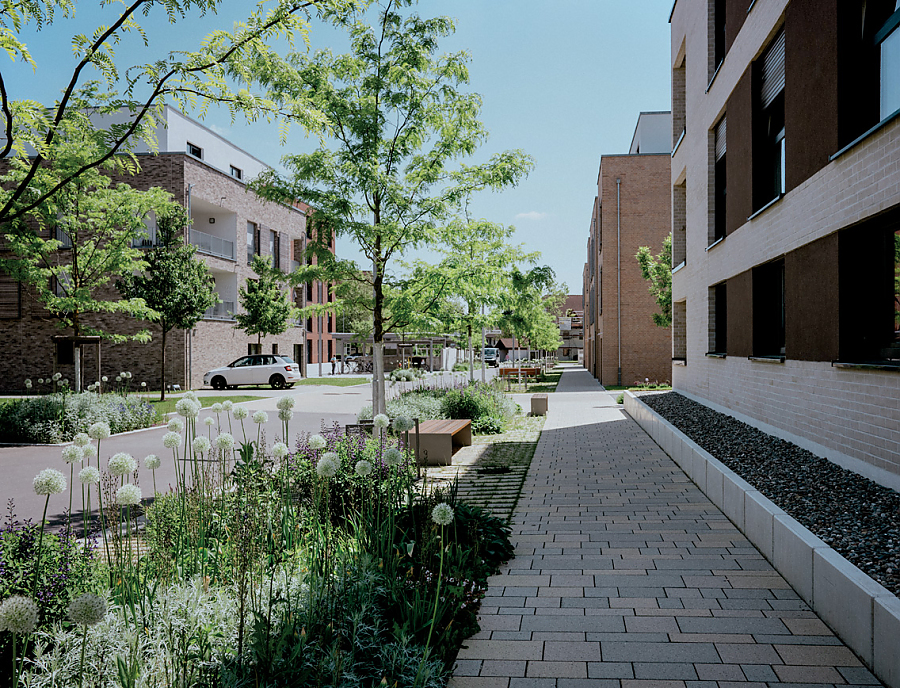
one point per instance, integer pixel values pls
(221, 311)
(212, 245)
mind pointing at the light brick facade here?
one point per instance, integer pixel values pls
(222, 209)
(844, 411)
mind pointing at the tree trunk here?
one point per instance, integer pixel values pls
(379, 403)
(162, 372)
(472, 355)
(77, 355)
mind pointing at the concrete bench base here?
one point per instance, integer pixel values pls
(439, 440)
(539, 404)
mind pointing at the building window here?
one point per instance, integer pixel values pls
(718, 34)
(237, 172)
(888, 41)
(194, 150)
(768, 159)
(768, 309)
(679, 225)
(869, 279)
(253, 349)
(679, 102)
(679, 331)
(718, 319)
(251, 242)
(275, 249)
(720, 182)
(275, 348)
(10, 297)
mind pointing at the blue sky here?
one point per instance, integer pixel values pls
(562, 80)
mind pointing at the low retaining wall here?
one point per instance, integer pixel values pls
(865, 614)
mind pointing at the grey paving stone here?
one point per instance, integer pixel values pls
(759, 672)
(668, 671)
(732, 625)
(595, 624)
(586, 683)
(857, 675)
(499, 667)
(659, 652)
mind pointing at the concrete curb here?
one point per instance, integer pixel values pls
(863, 613)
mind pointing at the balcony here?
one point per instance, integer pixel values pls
(212, 245)
(221, 311)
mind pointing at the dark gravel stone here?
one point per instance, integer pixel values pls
(859, 518)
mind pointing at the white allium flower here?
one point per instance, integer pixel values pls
(171, 440)
(118, 378)
(104, 378)
(317, 442)
(227, 404)
(286, 403)
(327, 467)
(442, 514)
(81, 439)
(152, 462)
(89, 475)
(128, 495)
(393, 456)
(49, 482)
(209, 421)
(87, 609)
(403, 424)
(56, 376)
(40, 380)
(175, 424)
(72, 453)
(381, 421)
(363, 468)
(187, 408)
(260, 417)
(217, 407)
(99, 430)
(143, 384)
(240, 412)
(123, 374)
(27, 384)
(285, 414)
(280, 450)
(128, 375)
(201, 445)
(225, 441)
(191, 395)
(122, 464)
(89, 451)
(18, 614)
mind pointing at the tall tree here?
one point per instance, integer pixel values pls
(527, 312)
(658, 271)
(96, 83)
(176, 286)
(396, 122)
(267, 309)
(72, 246)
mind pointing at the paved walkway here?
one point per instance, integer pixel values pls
(626, 576)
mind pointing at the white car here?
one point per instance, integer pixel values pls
(258, 369)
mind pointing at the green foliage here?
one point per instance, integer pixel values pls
(71, 247)
(528, 313)
(54, 418)
(267, 309)
(658, 271)
(620, 399)
(396, 124)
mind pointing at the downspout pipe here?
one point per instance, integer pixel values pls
(619, 276)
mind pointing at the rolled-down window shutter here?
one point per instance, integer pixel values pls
(772, 77)
(720, 139)
(257, 240)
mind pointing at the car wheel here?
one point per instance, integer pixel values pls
(218, 382)
(277, 382)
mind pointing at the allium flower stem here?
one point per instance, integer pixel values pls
(37, 563)
(81, 666)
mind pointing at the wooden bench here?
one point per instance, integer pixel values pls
(439, 440)
(539, 404)
(514, 372)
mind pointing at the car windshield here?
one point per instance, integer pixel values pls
(241, 362)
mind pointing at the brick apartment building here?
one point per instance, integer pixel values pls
(786, 175)
(320, 345)
(570, 319)
(208, 175)
(632, 209)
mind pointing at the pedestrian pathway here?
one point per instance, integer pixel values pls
(627, 576)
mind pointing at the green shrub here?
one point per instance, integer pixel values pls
(421, 404)
(620, 399)
(55, 418)
(483, 404)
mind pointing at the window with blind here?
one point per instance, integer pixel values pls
(720, 187)
(768, 310)
(10, 298)
(888, 41)
(768, 159)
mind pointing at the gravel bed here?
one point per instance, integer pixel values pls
(857, 517)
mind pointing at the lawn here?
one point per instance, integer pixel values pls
(168, 406)
(547, 382)
(334, 381)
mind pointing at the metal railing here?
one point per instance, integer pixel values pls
(221, 311)
(212, 245)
